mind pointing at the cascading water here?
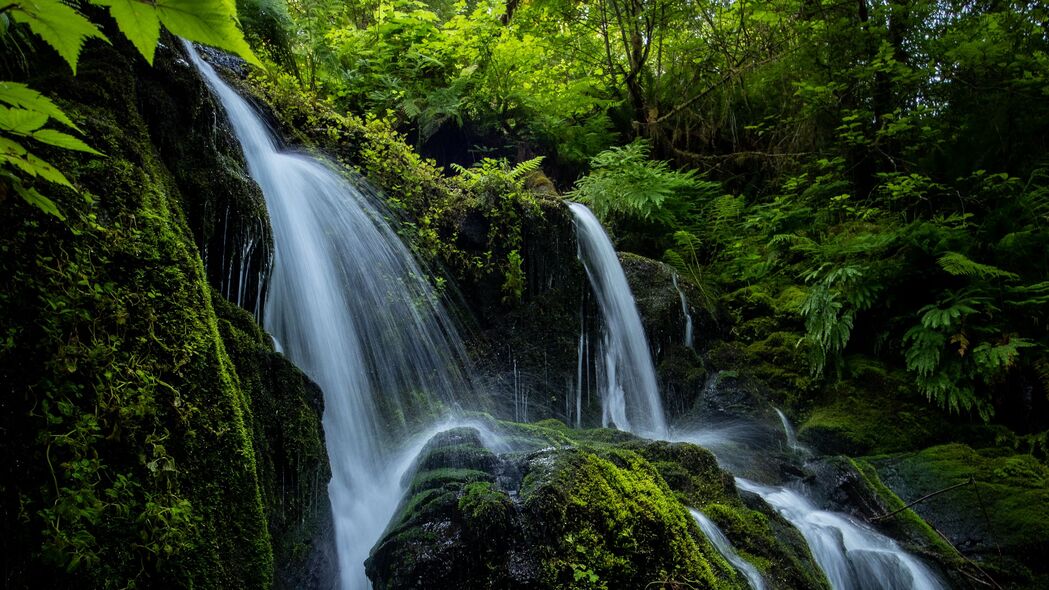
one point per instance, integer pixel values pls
(853, 556)
(788, 431)
(629, 394)
(725, 548)
(350, 306)
(689, 340)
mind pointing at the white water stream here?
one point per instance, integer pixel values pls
(349, 306)
(627, 381)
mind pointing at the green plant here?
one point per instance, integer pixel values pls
(66, 30)
(625, 183)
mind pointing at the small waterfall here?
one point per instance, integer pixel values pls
(580, 363)
(725, 548)
(630, 396)
(689, 342)
(852, 555)
(788, 431)
(350, 306)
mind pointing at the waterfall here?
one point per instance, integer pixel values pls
(629, 394)
(852, 555)
(684, 310)
(725, 548)
(349, 306)
(788, 431)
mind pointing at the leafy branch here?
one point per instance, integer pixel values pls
(66, 30)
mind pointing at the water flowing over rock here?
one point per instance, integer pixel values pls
(630, 393)
(350, 306)
(724, 546)
(852, 555)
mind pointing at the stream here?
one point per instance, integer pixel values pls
(352, 308)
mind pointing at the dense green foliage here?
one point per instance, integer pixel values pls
(876, 168)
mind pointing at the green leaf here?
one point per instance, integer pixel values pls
(47, 171)
(20, 95)
(18, 162)
(212, 22)
(34, 198)
(62, 140)
(60, 26)
(138, 21)
(960, 265)
(10, 147)
(21, 121)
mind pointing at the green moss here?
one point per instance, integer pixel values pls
(291, 459)
(907, 522)
(438, 478)
(765, 539)
(874, 411)
(486, 511)
(615, 524)
(1005, 509)
(136, 436)
(782, 362)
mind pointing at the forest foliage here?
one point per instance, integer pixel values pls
(877, 168)
(64, 29)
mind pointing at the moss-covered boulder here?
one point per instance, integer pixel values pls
(759, 534)
(290, 456)
(875, 411)
(575, 509)
(997, 517)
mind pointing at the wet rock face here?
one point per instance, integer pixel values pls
(679, 367)
(290, 456)
(458, 526)
(574, 509)
(225, 209)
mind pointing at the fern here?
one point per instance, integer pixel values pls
(828, 325)
(523, 169)
(960, 265)
(994, 359)
(624, 182)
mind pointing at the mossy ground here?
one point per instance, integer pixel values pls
(874, 411)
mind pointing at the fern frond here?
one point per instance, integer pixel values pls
(960, 265)
(525, 168)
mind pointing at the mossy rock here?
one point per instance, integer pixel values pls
(757, 531)
(575, 509)
(1003, 511)
(780, 360)
(607, 520)
(455, 528)
(131, 442)
(874, 411)
(291, 458)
